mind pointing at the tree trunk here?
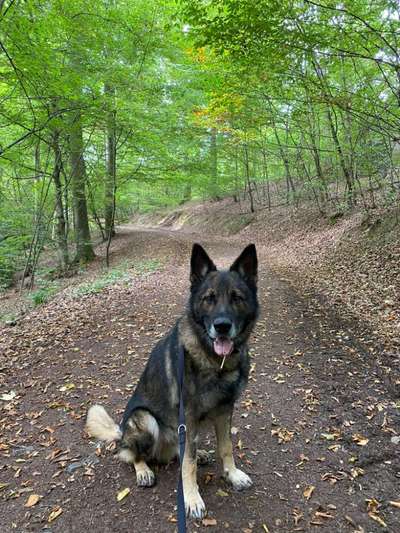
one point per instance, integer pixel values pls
(347, 174)
(61, 227)
(289, 180)
(111, 164)
(236, 196)
(84, 249)
(314, 139)
(266, 178)
(247, 171)
(214, 164)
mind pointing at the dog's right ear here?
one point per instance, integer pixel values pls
(200, 264)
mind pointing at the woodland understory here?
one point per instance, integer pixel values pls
(129, 129)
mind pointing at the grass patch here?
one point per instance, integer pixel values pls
(121, 274)
(147, 266)
(43, 294)
(8, 318)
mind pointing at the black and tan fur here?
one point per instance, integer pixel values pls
(220, 316)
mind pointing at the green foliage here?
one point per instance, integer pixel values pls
(44, 293)
(121, 274)
(107, 279)
(196, 100)
(12, 255)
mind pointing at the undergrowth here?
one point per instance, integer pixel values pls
(122, 274)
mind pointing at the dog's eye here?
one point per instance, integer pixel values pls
(209, 298)
(236, 297)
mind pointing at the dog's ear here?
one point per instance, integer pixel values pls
(200, 264)
(246, 264)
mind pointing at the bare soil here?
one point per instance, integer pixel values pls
(317, 429)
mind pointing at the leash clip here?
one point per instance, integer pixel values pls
(181, 427)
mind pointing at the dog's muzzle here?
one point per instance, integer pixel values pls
(222, 331)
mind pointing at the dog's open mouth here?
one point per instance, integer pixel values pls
(223, 346)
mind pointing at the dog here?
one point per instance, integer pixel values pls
(214, 331)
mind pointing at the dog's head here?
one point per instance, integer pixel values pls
(223, 304)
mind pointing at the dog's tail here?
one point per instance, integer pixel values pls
(99, 424)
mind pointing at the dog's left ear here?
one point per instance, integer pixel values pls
(200, 264)
(246, 264)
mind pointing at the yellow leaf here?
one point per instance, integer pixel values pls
(32, 500)
(377, 519)
(372, 505)
(222, 493)
(308, 492)
(55, 513)
(123, 494)
(67, 386)
(360, 440)
(357, 471)
(283, 434)
(265, 528)
(328, 436)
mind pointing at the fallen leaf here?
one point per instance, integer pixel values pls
(329, 436)
(32, 500)
(395, 503)
(360, 440)
(208, 477)
(297, 516)
(308, 492)
(55, 513)
(222, 493)
(67, 386)
(123, 494)
(372, 505)
(378, 519)
(321, 514)
(209, 522)
(350, 520)
(283, 434)
(357, 471)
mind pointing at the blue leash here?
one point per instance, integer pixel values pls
(181, 440)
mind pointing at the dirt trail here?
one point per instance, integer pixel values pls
(334, 426)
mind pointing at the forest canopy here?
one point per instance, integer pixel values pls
(113, 107)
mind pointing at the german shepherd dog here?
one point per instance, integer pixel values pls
(214, 330)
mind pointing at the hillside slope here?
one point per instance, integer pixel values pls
(351, 262)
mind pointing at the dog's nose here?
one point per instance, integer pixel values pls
(222, 325)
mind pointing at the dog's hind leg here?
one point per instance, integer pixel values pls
(139, 444)
(204, 457)
(144, 475)
(236, 477)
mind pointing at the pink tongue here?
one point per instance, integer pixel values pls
(223, 347)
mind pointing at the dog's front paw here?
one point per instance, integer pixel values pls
(145, 478)
(195, 507)
(238, 479)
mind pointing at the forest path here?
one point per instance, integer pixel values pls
(332, 418)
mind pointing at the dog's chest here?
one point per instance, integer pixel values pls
(216, 389)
